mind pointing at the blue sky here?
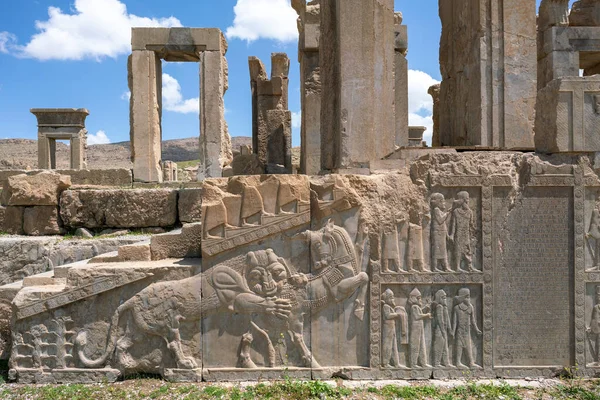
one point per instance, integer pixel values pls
(73, 53)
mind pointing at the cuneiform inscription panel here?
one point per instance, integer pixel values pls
(533, 277)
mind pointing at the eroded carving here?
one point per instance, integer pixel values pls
(461, 226)
(593, 330)
(418, 315)
(442, 331)
(463, 323)
(393, 316)
(439, 232)
(593, 237)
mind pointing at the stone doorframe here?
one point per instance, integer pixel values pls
(61, 124)
(149, 47)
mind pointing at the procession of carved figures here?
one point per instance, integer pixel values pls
(450, 232)
(449, 323)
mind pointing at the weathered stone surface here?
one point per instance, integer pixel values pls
(434, 92)
(23, 257)
(488, 65)
(61, 124)
(585, 13)
(247, 165)
(182, 243)
(94, 177)
(441, 269)
(175, 42)
(357, 129)
(40, 189)
(42, 221)
(83, 233)
(568, 116)
(145, 83)
(189, 205)
(119, 208)
(271, 119)
(401, 78)
(13, 220)
(215, 142)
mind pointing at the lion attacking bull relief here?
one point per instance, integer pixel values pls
(267, 290)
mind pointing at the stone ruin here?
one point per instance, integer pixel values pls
(382, 260)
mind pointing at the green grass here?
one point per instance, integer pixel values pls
(187, 164)
(145, 388)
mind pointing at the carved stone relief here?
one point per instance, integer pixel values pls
(431, 327)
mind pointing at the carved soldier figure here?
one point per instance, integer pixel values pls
(362, 245)
(594, 329)
(594, 233)
(252, 206)
(418, 315)
(462, 321)
(439, 232)
(391, 251)
(460, 232)
(416, 258)
(392, 314)
(442, 329)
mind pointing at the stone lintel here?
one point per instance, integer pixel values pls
(575, 39)
(178, 44)
(60, 117)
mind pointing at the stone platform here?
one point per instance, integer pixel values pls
(480, 264)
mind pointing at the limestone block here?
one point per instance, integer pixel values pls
(181, 243)
(176, 40)
(41, 221)
(99, 177)
(247, 165)
(585, 13)
(568, 116)
(40, 189)
(189, 205)
(135, 252)
(488, 62)
(145, 85)
(215, 142)
(119, 208)
(13, 220)
(434, 92)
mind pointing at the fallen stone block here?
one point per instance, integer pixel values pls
(41, 221)
(119, 208)
(41, 189)
(182, 243)
(13, 220)
(190, 205)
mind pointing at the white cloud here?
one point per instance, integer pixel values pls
(126, 95)
(173, 99)
(419, 83)
(7, 40)
(420, 103)
(98, 138)
(297, 119)
(264, 19)
(95, 29)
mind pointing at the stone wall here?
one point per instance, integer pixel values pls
(482, 264)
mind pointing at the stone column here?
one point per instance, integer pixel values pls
(272, 121)
(215, 143)
(401, 47)
(78, 158)
(434, 92)
(357, 67)
(145, 84)
(488, 65)
(309, 27)
(44, 159)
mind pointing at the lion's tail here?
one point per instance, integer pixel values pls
(111, 340)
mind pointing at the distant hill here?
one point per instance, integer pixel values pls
(22, 153)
